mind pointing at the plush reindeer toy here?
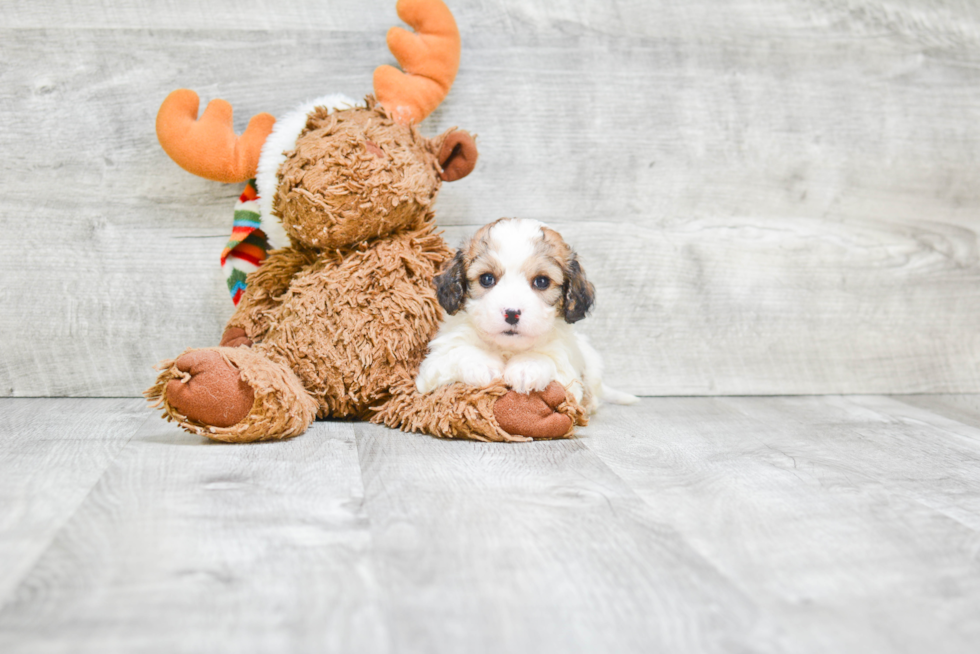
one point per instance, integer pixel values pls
(336, 320)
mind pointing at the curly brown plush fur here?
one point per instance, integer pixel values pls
(337, 324)
(336, 188)
(347, 325)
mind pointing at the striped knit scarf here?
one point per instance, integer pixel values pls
(248, 246)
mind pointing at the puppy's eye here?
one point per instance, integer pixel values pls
(541, 282)
(487, 280)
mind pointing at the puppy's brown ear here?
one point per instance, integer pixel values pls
(578, 294)
(451, 284)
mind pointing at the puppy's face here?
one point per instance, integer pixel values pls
(513, 280)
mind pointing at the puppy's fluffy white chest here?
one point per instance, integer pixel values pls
(458, 353)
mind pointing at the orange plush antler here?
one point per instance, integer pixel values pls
(430, 58)
(209, 147)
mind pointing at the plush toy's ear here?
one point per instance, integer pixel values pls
(451, 285)
(457, 155)
(578, 294)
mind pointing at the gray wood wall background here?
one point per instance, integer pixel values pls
(771, 196)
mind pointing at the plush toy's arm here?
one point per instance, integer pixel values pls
(263, 295)
(493, 413)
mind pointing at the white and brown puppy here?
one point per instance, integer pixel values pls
(512, 295)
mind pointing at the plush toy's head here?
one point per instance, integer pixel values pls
(334, 172)
(356, 173)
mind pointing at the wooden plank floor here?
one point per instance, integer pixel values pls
(762, 524)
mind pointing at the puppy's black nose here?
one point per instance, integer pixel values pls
(512, 316)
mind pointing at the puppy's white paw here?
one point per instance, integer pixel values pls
(479, 373)
(468, 365)
(526, 374)
(428, 378)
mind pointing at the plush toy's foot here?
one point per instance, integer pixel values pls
(233, 395)
(210, 390)
(540, 414)
(493, 413)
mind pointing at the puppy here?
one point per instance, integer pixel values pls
(511, 295)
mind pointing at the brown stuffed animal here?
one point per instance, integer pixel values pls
(335, 322)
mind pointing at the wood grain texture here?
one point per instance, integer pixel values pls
(793, 525)
(187, 545)
(776, 197)
(52, 453)
(482, 548)
(862, 511)
(963, 407)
